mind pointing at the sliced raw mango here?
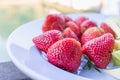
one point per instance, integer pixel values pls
(114, 23)
(117, 45)
(116, 57)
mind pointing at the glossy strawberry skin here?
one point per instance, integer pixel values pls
(91, 33)
(99, 50)
(74, 28)
(107, 29)
(65, 54)
(80, 20)
(87, 24)
(45, 40)
(67, 18)
(54, 22)
(68, 33)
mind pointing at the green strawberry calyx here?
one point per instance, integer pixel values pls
(90, 64)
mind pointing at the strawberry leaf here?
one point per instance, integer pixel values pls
(90, 64)
(97, 69)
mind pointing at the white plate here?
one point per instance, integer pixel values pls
(31, 62)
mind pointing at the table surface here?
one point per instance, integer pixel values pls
(8, 71)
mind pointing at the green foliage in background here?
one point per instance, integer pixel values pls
(11, 18)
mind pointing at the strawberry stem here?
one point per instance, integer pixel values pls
(90, 64)
(96, 68)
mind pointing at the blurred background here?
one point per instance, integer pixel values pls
(14, 13)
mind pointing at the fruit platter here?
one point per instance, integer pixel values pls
(67, 47)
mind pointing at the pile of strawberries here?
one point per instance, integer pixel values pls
(65, 41)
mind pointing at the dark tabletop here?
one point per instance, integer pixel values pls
(8, 71)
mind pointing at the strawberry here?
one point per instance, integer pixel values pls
(65, 54)
(91, 33)
(99, 50)
(80, 20)
(45, 40)
(54, 21)
(68, 33)
(107, 29)
(87, 24)
(74, 27)
(67, 18)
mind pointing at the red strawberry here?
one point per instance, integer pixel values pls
(65, 54)
(68, 33)
(99, 50)
(80, 20)
(45, 40)
(74, 28)
(67, 18)
(87, 24)
(54, 21)
(107, 29)
(91, 33)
